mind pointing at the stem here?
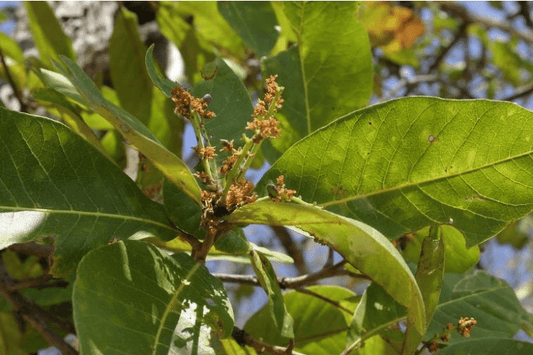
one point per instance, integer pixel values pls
(235, 169)
(199, 132)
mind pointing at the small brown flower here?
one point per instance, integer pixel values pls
(203, 177)
(465, 326)
(229, 162)
(268, 128)
(185, 102)
(433, 347)
(205, 153)
(239, 194)
(260, 109)
(227, 146)
(283, 194)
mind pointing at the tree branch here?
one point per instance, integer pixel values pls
(517, 95)
(409, 82)
(291, 248)
(460, 34)
(34, 314)
(293, 282)
(243, 338)
(41, 251)
(459, 11)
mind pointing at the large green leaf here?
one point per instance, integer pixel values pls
(254, 22)
(132, 129)
(319, 326)
(132, 298)
(492, 346)
(362, 246)
(52, 182)
(48, 36)
(127, 68)
(230, 102)
(10, 48)
(404, 164)
(329, 72)
(159, 80)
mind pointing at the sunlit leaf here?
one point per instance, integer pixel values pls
(130, 297)
(47, 33)
(10, 48)
(326, 75)
(362, 246)
(404, 164)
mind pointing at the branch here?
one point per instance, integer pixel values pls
(34, 314)
(459, 11)
(41, 251)
(418, 79)
(243, 338)
(16, 91)
(293, 282)
(460, 34)
(517, 95)
(291, 248)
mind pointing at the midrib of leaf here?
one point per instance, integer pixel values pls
(171, 306)
(403, 186)
(85, 213)
(317, 337)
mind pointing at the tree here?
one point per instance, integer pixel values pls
(402, 191)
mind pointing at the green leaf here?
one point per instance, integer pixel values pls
(320, 320)
(230, 347)
(10, 48)
(47, 33)
(233, 107)
(254, 22)
(53, 182)
(429, 278)
(127, 67)
(517, 232)
(211, 27)
(489, 347)
(160, 81)
(328, 74)
(181, 210)
(487, 299)
(266, 275)
(404, 164)
(458, 258)
(133, 130)
(132, 298)
(375, 313)
(362, 246)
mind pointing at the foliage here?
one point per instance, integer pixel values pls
(402, 191)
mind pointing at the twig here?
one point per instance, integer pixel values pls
(34, 314)
(16, 91)
(522, 93)
(41, 251)
(409, 82)
(291, 248)
(243, 338)
(292, 282)
(325, 299)
(459, 11)
(460, 34)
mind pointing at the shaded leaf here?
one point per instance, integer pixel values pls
(328, 74)
(266, 275)
(517, 232)
(489, 347)
(404, 164)
(319, 326)
(129, 297)
(48, 35)
(458, 258)
(133, 130)
(254, 22)
(231, 103)
(54, 182)
(362, 246)
(127, 67)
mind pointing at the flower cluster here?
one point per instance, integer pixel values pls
(280, 193)
(185, 102)
(240, 194)
(465, 325)
(205, 153)
(267, 127)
